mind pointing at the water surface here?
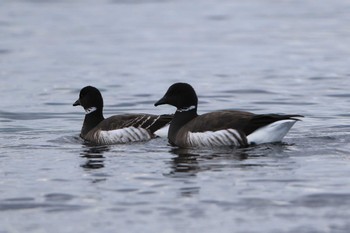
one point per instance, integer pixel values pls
(261, 56)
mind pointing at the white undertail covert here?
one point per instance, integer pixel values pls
(273, 132)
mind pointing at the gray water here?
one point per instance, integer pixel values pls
(264, 56)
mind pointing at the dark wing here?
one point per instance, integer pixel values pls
(245, 122)
(262, 120)
(156, 122)
(146, 121)
(219, 120)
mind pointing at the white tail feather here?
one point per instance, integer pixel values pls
(273, 132)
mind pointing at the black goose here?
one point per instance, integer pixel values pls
(115, 129)
(220, 128)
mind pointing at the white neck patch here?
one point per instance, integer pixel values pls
(186, 109)
(90, 110)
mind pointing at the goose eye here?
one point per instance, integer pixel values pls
(82, 95)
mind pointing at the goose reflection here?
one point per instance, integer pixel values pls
(94, 156)
(188, 162)
(184, 162)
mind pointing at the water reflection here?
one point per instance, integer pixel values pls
(94, 156)
(188, 162)
(184, 162)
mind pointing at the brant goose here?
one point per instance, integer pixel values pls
(116, 129)
(220, 128)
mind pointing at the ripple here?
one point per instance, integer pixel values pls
(4, 51)
(76, 139)
(94, 157)
(345, 95)
(55, 104)
(283, 103)
(147, 192)
(58, 197)
(19, 199)
(189, 191)
(259, 203)
(320, 78)
(249, 91)
(221, 204)
(136, 203)
(29, 203)
(17, 129)
(22, 206)
(93, 164)
(122, 105)
(321, 200)
(143, 95)
(127, 190)
(344, 114)
(169, 211)
(218, 17)
(137, 2)
(30, 115)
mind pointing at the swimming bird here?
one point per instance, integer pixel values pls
(115, 129)
(219, 128)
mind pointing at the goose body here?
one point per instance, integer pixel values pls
(220, 128)
(116, 129)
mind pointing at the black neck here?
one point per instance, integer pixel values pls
(91, 121)
(180, 119)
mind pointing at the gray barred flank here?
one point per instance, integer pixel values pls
(236, 136)
(218, 140)
(137, 133)
(124, 135)
(226, 139)
(101, 138)
(243, 137)
(133, 133)
(229, 137)
(210, 141)
(98, 136)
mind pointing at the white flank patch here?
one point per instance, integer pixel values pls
(273, 132)
(124, 135)
(225, 137)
